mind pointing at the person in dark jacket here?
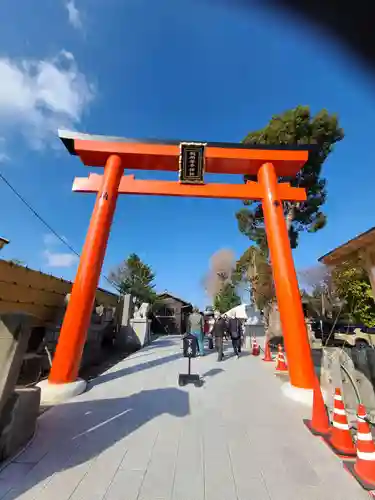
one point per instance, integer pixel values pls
(219, 331)
(235, 331)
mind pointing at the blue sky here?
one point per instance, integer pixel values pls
(166, 69)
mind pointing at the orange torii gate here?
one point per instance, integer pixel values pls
(191, 160)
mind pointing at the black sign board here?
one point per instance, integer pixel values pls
(192, 163)
(190, 346)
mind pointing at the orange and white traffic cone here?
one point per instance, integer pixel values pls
(363, 469)
(340, 439)
(256, 349)
(267, 353)
(281, 365)
(319, 424)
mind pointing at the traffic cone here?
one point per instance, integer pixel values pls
(363, 469)
(256, 349)
(340, 439)
(267, 352)
(281, 365)
(319, 424)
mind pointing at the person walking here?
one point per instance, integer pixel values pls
(235, 330)
(243, 332)
(195, 327)
(210, 323)
(219, 331)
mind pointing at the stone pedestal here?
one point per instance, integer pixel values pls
(127, 309)
(124, 314)
(15, 332)
(18, 420)
(140, 332)
(19, 408)
(303, 396)
(53, 394)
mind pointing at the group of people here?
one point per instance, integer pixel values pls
(216, 329)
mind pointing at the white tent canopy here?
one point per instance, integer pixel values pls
(246, 312)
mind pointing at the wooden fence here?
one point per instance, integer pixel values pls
(37, 293)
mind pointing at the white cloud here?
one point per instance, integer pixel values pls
(60, 259)
(73, 14)
(3, 155)
(57, 259)
(50, 240)
(39, 96)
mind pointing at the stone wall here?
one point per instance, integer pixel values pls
(350, 369)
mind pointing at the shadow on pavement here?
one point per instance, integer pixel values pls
(73, 433)
(106, 377)
(230, 355)
(212, 372)
(164, 341)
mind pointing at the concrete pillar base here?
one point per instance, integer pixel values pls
(52, 394)
(303, 396)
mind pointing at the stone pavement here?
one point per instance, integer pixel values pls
(135, 435)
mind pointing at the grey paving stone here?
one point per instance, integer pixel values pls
(5, 487)
(188, 481)
(218, 474)
(125, 485)
(98, 478)
(135, 435)
(140, 446)
(159, 476)
(15, 472)
(251, 489)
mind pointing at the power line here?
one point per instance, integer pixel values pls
(43, 221)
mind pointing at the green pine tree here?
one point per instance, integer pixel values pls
(226, 298)
(136, 278)
(295, 127)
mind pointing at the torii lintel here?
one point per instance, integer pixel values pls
(130, 185)
(220, 157)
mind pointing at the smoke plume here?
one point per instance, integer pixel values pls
(220, 271)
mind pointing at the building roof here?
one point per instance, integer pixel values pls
(221, 157)
(114, 294)
(349, 249)
(167, 294)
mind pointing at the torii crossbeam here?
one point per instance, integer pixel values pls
(191, 160)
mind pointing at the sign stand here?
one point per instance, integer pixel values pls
(190, 351)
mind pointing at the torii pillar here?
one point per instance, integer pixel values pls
(115, 154)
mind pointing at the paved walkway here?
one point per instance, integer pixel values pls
(135, 435)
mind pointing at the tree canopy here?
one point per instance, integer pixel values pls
(227, 298)
(253, 267)
(353, 285)
(134, 277)
(295, 127)
(319, 293)
(344, 290)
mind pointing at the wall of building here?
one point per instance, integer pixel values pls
(171, 316)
